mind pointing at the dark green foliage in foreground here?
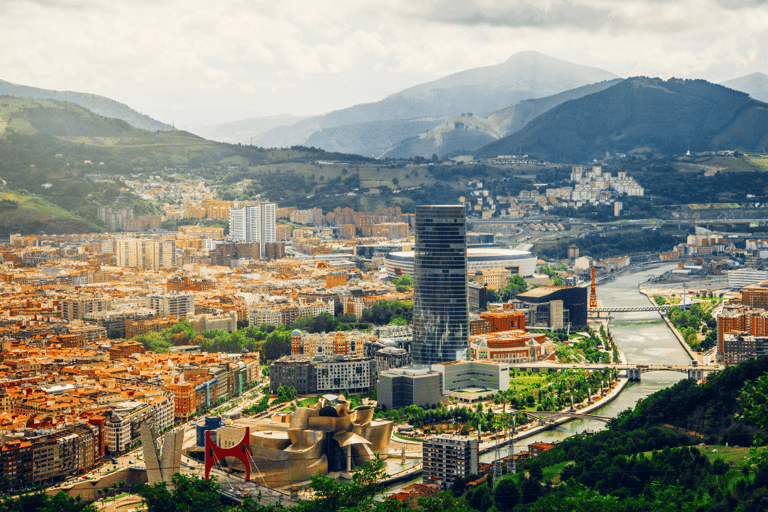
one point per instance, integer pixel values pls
(707, 409)
(39, 501)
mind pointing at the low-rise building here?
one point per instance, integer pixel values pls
(411, 385)
(485, 374)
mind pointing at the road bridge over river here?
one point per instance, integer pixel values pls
(632, 371)
(665, 307)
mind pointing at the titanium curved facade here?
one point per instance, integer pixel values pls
(440, 314)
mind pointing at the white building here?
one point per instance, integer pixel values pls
(172, 303)
(744, 276)
(253, 223)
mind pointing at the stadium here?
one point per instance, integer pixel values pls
(401, 262)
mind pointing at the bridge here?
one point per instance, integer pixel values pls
(665, 307)
(633, 371)
(558, 414)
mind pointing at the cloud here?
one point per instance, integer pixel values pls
(308, 57)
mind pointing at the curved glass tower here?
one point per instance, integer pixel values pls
(440, 314)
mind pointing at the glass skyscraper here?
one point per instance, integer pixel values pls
(440, 314)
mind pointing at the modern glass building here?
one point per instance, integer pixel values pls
(440, 314)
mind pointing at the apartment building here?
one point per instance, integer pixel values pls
(448, 457)
(253, 223)
(146, 253)
(79, 307)
(739, 347)
(323, 374)
(171, 304)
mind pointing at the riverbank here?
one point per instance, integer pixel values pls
(525, 433)
(695, 356)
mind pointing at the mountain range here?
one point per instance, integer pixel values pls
(466, 132)
(641, 114)
(459, 113)
(371, 129)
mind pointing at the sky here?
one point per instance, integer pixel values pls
(193, 62)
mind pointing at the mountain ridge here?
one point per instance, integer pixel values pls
(641, 114)
(97, 104)
(465, 133)
(522, 76)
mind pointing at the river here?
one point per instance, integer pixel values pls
(644, 338)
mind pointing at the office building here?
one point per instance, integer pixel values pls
(411, 385)
(554, 306)
(448, 457)
(440, 309)
(253, 223)
(472, 374)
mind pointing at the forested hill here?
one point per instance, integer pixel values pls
(639, 115)
(97, 104)
(710, 409)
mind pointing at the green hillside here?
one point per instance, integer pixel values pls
(640, 115)
(24, 213)
(80, 156)
(97, 104)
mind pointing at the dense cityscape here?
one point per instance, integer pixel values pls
(394, 259)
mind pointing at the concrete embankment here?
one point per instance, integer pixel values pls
(525, 433)
(691, 353)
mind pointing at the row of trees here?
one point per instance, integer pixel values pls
(515, 285)
(693, 321)
(274, 341)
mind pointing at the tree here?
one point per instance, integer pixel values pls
(753, 399)
(277, 345)
(39, 501)
(506, 494)
(515, 285)
(189, 493)
(359, 494)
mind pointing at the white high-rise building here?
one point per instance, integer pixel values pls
(253, 223)
(147, 254)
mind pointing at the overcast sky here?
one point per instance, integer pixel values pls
(243, 57)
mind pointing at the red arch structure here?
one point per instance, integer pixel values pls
(240, 451)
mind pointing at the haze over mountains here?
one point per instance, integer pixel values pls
(373, 128)
(756, 85)
(461, 112)
(96, 104)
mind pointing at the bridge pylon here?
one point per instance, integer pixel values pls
(593, 293)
